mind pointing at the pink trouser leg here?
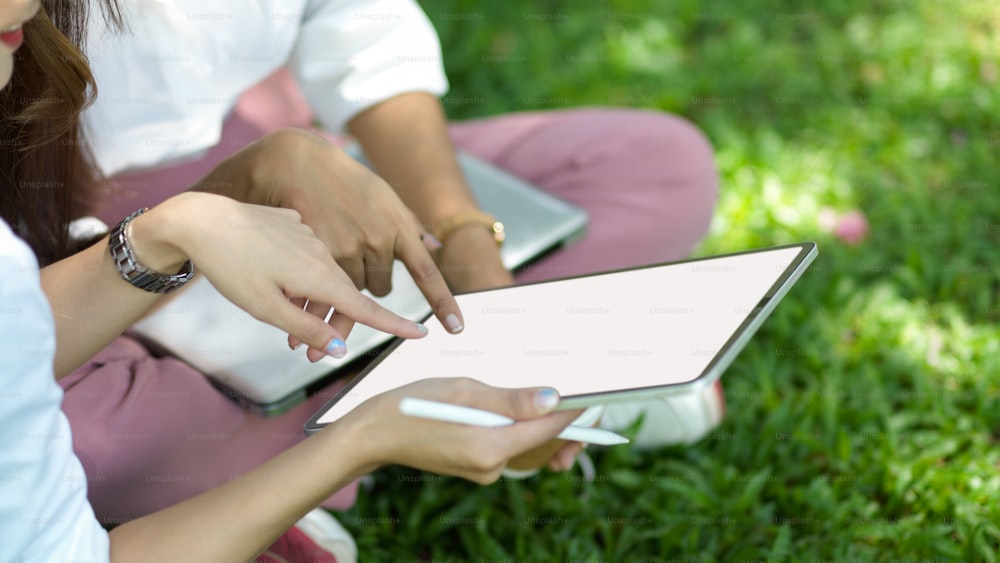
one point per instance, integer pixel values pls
(152, 432)
(647, 179)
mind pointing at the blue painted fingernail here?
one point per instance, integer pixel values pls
(337, 348)
(422, 328)
(547, 398)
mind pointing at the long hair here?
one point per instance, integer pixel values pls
(45, 171)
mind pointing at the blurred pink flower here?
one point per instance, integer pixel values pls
(851, 227)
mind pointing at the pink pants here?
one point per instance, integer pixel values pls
(152, 432)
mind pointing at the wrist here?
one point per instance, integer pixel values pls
(159, 236)
(468, 221)
(354, 434)
(471, 260)
(477, 237)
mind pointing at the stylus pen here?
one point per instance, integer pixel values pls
(447, 412)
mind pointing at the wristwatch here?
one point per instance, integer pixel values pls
(444, 228)
(134, 272)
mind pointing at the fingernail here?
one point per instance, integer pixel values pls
(454, 325)
(567, 460)
(422, 328)
(547, 398)
(431, 242)
(337, 348)
(297, 346)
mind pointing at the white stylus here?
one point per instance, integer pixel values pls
(447, 412)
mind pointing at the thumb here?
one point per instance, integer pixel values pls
(531, 403)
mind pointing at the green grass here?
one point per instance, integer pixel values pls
(863, 420)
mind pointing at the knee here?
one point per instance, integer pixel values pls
(669, 165)
(682, 155)
(675, 165)
(649, 146)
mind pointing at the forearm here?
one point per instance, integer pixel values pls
(91, 303)
(406, 138)
(238, 520)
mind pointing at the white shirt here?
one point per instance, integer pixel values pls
(166, 85)
(44, 513)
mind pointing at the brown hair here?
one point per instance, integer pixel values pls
(45, 171)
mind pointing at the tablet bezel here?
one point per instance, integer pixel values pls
(713, 371)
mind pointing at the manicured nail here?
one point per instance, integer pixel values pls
(422, 328)
(430, 242)
(337, 348)
(454, 325)
(547, 398)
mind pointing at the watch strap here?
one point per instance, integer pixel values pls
(132, 271)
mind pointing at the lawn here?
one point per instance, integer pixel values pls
(863, 420)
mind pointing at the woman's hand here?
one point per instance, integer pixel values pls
(264, 260)
(470, 261)
(473, 453)
(353, 212)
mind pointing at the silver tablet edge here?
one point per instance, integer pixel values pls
(722, 361)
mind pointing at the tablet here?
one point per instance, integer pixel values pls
(601, 338)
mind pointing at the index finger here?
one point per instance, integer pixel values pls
(412, 252)
(339, 291)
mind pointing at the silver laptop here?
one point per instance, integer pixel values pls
(250, 360)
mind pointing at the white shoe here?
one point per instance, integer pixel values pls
(671, 420)
(327, 533)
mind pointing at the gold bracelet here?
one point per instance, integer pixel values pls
(444, 228)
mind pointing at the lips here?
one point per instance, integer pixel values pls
(12, 37)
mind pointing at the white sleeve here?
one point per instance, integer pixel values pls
(44, 513)
(353, 54)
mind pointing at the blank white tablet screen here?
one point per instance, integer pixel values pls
(625, 330)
